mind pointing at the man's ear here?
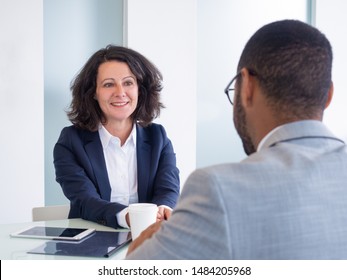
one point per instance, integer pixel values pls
(247, 88)
(330, 95)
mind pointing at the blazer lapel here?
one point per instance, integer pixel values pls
(143, 148)
(95, 153)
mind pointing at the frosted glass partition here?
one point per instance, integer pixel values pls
(73, 30)
(165, 32)
(224, 26)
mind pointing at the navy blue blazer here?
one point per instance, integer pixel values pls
(81, 171)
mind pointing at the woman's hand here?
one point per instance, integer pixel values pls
(163, 213)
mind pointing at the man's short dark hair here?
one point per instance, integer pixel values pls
(292, 61)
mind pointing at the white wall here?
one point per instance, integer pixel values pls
(224, 26)
(165, 32)
(21, 109)
(331, 20)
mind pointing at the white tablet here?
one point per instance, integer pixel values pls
(56, 233)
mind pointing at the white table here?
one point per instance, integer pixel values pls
(16, 248)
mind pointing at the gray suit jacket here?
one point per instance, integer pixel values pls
(287, 201)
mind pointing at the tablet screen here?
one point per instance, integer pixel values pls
(54, 233)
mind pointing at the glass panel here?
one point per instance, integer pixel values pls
(73, 30)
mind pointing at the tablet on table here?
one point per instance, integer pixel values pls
(55, 233)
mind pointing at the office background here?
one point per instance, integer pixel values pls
(195, 43)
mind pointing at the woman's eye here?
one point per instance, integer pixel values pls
(128, 83)
(107, 85)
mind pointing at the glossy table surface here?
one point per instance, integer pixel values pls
(12, 248)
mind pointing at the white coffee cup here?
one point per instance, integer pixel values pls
(141, 216)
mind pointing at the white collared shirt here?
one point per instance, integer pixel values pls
(121, 164)
(261, 143)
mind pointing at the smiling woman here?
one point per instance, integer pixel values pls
(117, 95)
(113, 155)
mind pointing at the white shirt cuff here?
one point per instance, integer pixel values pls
(167, 207)
(121, 218)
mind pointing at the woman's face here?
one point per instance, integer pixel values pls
(116, 91)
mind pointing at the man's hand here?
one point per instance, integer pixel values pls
(146, 234)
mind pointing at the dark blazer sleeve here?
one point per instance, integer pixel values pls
(81, 171)
(158, 175)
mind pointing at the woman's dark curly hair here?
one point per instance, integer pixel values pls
(84, 111)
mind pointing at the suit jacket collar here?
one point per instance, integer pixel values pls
(298, 130)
